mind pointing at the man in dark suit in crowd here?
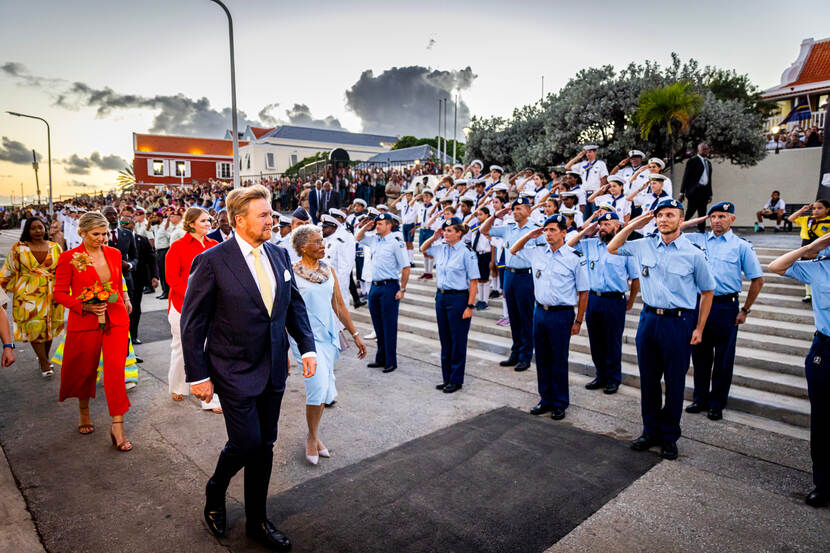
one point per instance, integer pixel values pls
(224, 231)
(315, 200)
(328, 199)
(122, 239)
(240, 306)
(146, 274)
(697, 185)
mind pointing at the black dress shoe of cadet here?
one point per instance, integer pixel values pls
(376, 365)
(450, 388)
(558, 414)
(595, 384)
(216, 518)
(390, 368)
(644, 442)
(611, 388)
(541, 409)
(509, 362)
(817, 498)
(441, 386)
(714, 414)
(521, 366)
(695, 407)
(267, 534)
(669, 451)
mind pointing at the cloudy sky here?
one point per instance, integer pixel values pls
(99, 70)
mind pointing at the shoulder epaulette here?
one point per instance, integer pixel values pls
(577, 252)
(341, 240)
(696, 246)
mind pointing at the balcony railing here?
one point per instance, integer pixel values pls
(817, 119)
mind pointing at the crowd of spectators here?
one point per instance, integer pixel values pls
(797, 137)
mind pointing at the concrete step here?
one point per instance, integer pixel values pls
(773, 396)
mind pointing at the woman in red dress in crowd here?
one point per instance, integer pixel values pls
(176, 270)
(94, 263)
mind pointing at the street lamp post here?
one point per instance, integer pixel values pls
(49, 148)
(235, 130)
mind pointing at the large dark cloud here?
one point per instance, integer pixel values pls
(76, 165)
(267, 117)
(404, 100)
(19, 72)
(15, 152)
(300, 114)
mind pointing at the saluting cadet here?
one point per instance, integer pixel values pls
(340, 245)
(481, 247)
(496, 172)
(574, 183)
(672, 273)
(611, 195)
(627, 167)
(816, 273)
(593, 171)
(390, 273)
(560, 282)
(729, 257)
(283, 230)
(406, 208)
(456, 276)
(425, 206)
(647, 197)
(609, 276)
(518, 282)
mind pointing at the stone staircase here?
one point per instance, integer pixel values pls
(768, 376)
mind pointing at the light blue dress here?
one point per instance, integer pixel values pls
(320, 388)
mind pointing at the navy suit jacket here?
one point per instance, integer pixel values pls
(216, 235)
(313, 206)
(227, 335)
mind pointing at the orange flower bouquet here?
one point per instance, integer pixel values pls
(99, 293)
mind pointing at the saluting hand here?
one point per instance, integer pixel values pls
(641, 221)
(537, 232)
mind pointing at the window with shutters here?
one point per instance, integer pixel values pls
(223, 170)
(157, 167)
(294, 159)
(180, 168)
(269, 160)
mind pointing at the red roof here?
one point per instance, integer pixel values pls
(817, 67)
(159, 143)
(259, 131)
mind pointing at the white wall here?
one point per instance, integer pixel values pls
(283, 153)
(794, 172)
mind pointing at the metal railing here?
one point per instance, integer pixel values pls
(816, 118)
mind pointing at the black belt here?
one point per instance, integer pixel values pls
(384, 282)
(554, 307)
(519, 271)
(822, 337)
(608, 294)
(726, 298)
(678, 312)
(440, 291)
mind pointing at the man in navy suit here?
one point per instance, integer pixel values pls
(315, 201)
(224, 231)
(241, 299)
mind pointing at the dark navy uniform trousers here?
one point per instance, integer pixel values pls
(453, 331)
(817, 369)
(518, 293)
(384, 309)
(552, 336)
(663, 350)
(714, 356)
(605, 318)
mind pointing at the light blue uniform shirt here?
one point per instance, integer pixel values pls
(728, 257)
(389, 256)
(671, 275)
(557, 276)
(606, 272)
(455, 266)
(511, 233)
(816, 273)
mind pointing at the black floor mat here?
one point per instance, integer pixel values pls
(504, 481)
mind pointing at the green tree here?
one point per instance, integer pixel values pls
(668, 108)
(410, 141)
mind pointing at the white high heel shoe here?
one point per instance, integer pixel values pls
(312, 459)
(324, 453)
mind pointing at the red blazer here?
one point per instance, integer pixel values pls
(177, 265)
(69, 283)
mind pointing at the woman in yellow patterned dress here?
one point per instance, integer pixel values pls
(29, 276)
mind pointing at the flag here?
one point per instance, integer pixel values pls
(800, 112)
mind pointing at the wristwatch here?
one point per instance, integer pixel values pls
(470, 306)
(745, 310)
(10, 346)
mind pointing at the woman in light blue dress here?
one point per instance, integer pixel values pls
(324, 304)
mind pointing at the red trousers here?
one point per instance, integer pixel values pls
(79, 370)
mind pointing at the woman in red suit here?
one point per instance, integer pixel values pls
(90, 263)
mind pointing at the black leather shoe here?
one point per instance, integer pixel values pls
(138, 359)
(331, 404)
(696, 407)
(267, 534)
(714, 414)
(390, 368)
(643, 443)
(441, 386)
(162, 297)
(595, 384)
(376, 365)
(521, 366)
(669, 451)
(450, 388)
(509, 362)
(359, 304)
(137, 341)
(817, 498)
(541, 409)
(611, 388)
(216, 518)
(558, 414)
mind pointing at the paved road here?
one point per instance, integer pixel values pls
(738, 485)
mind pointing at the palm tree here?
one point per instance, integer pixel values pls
(670, 107)
(126, 179)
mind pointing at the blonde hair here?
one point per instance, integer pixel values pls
(238, 200)
(91, 220)
(191, 216)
